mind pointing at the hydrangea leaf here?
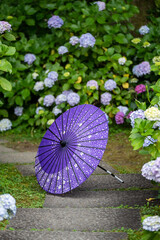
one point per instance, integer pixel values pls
(10, 51)
(9, 36)
(5, 66)
(5, 84)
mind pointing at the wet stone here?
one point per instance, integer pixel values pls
(17, 157)
(26, 170)
(80, 219)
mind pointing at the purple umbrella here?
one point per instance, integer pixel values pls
(71, 149)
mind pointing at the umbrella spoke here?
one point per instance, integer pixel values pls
(71, 120)
(92, 134)
(54, 134)
(93, 140)
(89, 147)
(58, 130)
(43, 153)
(73, 170)
(47, 156)
(67, 120)
(68, 172)
(50, 139)
(46, 145)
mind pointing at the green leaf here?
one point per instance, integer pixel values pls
(5, 84)
(11, 51)
(9, 37)
(120, 38)
(25, 93)
(102, 58)
(107, 39)
(141, 105)
(31, 121)
(5, 66)
(66, 86)
(19, 101)
(77, 86)
(4, 113)
(89, 21)
(101, 20)
(30, 22)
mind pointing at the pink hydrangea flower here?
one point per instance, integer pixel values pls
(140, 88)
(119, 118)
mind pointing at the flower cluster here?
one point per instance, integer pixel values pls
(18, 111)
(146, 44)
(152, 114)
(123, 109)
(87, 40)
(67, 92)
(7, 207)
(74, 40)
(140, 88)
(39, 110)
(151, 223)
(62, 50)
(38, 86)
(48, 100)
(119, 118)
(5, 124)
(53, 75)
(148, 141)
(35, 75)
(151, 170)
(156, 59)
(106, 98)
(141, 69)
(55, 22)
(73, 99)
(50, 121)
(5, 26)
(101, 5)
(56, 111)
(29, 58)
(60, 99)
(144, 30)
(122, 60)
(48, 82)
(92, 84)
(110, 85)
(136, 114)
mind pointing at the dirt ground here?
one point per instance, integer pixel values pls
(119, 153)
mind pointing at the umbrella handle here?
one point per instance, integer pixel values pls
(111, 174)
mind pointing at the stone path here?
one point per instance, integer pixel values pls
(89, 212)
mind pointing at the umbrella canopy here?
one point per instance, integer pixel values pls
(71, 149)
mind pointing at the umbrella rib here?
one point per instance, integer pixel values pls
(46, 145)
(73, 169)
(50, 139)
(81, 158)
(67, 120)
(58, 130)
(72, 120)
(43, 153)
(62, 124)
(68, 173)
(89, 147)
(90, 123)
(57, 174)
(78, 165)
(93, 140)
(93, 133)
(91, 128)
(47, 156)
(54, 134)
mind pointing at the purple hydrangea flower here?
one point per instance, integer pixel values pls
(119, 118)
(3, 213)
(55, 22)
(148, 141)
(129, 114)
(56, 111)
(156, 170)
(18, 111)
(29, 58)
(48, 82)
(53, 75)
(110, 85)
(67, 92)
(140, 88)
(5, 124)
(48, 100)
(39, 109)
(87, 40)
(141, 69)
(60, 99)
(5, 26)
(73, 99)
(156, 125)
(92, 84)
(144, 30)
(62, 50)
(74, 40)
(136, 114)
(123, 109)
(101, 5)
(106, 98)
(38, 86)
(146, 170)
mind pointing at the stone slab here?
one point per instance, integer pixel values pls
(96, 199)
(104, 182)
(4, 149)
(50, 235)
(17, 157)
(80, 219)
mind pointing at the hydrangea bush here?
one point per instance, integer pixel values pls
(81, 47)
(7, 207)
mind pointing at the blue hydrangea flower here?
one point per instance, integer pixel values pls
(92, 84)
(53, 75)
(67, 92)
(38, 86)
(55, 22)
(101, 5)
(136, 114)
(106, 98)
(110, 85)
(48, 82)
(5, 124)
(60, 99)
(56, 111)
(62, 50)
(144, 30)
(73, 99)
(151, 223)
(5, 26)
(18, 111)
(141, 69)
(3, 213)
(156, 125)
(48, 100)
(148, 141)
(29, 58)
(74, 40)
(9, 203)
(39, 109)
(87, 40)
(123, 109)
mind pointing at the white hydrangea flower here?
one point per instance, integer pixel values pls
(152, 114)
(56, 111)
(146, 170)
(122, 60)
(5, 124)
(73, 99)
(3, 213)
(9, 203)
(38, 86)
(60, 99)
(123, 109)
(50, 121)
(35, 75)
(151, 223)
(48, 82)
(39, 109)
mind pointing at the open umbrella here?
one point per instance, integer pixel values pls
(71, 149)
